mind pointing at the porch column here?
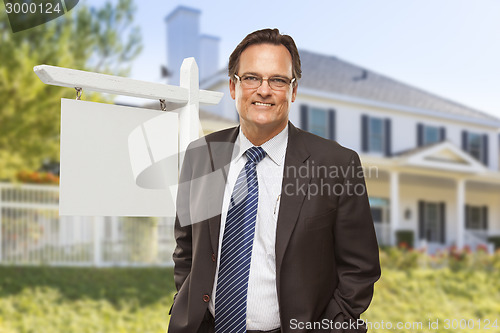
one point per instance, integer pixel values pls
(460, 212)
(394, 209)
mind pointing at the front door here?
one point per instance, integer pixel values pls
(432, 222)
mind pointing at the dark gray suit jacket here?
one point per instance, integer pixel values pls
(326, 249)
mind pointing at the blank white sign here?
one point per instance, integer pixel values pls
(117, 160)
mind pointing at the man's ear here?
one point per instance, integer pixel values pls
(294, 92)
(232, 88)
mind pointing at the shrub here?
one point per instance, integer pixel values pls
(404, 258)
(34, 177)
(495, 240)
(405, 236)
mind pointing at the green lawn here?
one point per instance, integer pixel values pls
(48, 299)
(455, 291)
(467, 298)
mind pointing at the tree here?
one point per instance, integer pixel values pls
(95, 39)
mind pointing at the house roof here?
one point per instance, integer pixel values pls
(331, 74)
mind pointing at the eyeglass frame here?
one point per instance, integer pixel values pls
(262, 79)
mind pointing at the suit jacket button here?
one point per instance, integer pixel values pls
(213, 257)
(206, 298)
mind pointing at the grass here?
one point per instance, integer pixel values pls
(55, 299)
(66, 300)
(452, 298)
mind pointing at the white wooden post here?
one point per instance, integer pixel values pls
(460, 213)
(189, 117)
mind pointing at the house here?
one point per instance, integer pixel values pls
(431, 164)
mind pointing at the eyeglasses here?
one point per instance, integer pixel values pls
(254, 82)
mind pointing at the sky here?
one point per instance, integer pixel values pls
(448, 47)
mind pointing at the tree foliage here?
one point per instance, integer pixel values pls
(95, 39)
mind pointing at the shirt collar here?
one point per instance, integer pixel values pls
(275, 147)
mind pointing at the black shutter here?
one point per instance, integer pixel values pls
(304, 123)
(364, 133)
(485, 217)
(331, 124)
(421, 219)
(467, 217)
(442, 133)
(420, 135)
(485, 149)
(442, 211)
(388, 140)
(464, 140)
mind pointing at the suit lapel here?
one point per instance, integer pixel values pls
(220, 148)
(293, 192)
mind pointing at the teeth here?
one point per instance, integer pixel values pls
(263, 104)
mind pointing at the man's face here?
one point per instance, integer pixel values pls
(264, 107)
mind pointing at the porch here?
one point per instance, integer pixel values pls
(438, 197)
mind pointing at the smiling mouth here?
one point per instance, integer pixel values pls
(262, 104)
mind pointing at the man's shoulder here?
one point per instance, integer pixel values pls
(227, 134)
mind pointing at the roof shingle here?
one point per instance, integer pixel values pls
(330, 74)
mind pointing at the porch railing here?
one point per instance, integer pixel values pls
(475, 238)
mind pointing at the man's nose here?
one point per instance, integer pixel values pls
(264, 88)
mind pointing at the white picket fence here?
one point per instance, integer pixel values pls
(32, 233)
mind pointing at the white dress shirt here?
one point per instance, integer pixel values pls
(262, 297)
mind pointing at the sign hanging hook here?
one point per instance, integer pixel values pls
(163, 105)
(79, 92)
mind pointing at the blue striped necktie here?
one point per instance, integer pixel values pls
(236, 251)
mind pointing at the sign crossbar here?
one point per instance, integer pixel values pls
(117, 85)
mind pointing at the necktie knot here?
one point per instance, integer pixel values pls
(255, 154)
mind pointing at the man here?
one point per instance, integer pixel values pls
(273, 229)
